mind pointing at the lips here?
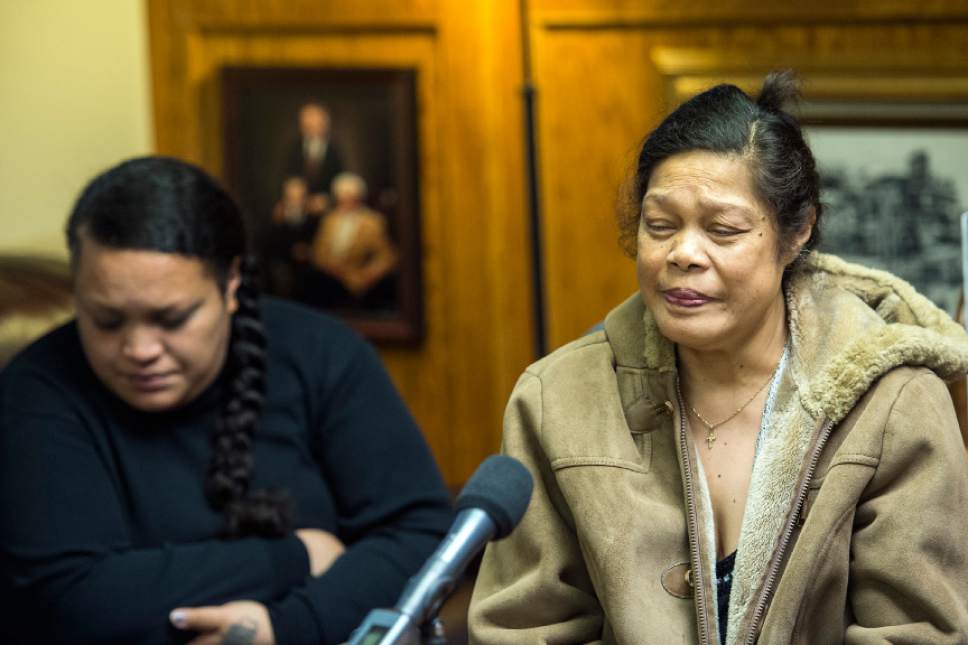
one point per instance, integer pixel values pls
(686, 297)
(149, 382)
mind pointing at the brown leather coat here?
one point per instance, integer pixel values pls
(856, 523)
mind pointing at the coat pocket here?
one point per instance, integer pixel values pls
(573, 462)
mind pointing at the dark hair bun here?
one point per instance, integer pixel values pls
(781, 88)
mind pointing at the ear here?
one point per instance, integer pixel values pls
(803, 234)
(232, 286)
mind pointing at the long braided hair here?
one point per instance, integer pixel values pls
(166, 205)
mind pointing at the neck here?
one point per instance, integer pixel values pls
(745, 362)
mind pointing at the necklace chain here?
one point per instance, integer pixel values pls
(711, 427)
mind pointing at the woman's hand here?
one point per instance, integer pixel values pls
(323, 549)
(242, 622)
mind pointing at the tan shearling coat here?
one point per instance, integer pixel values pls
(856, 524)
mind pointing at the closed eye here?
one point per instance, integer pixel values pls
(725, 232)
(172, 323)
(112, 324)
(172, 319)
(658, 226)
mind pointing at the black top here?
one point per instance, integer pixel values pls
(724, 584)
(104, 524)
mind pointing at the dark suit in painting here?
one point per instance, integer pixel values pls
(317, 162)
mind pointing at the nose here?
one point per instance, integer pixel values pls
(687, 252)
(141, 344)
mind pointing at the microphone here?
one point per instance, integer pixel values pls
(488, 508)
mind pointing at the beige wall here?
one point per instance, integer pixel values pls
(74, 98)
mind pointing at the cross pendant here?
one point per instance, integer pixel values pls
(710, 439)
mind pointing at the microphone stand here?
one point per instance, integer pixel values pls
(433, 632)
(490, 506)
(413, 621)
(385, 626)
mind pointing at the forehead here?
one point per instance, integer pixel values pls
(704, 178)
(135, 278)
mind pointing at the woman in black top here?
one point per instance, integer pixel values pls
(186, 461)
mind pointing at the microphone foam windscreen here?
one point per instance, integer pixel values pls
(501, 487)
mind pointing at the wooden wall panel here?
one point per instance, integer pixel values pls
(484, 191)
(478, 335)
(608, 71)
(592, 112)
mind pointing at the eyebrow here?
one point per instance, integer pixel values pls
(706, 204)
(181, 310)
(158, 312)
(652, 197)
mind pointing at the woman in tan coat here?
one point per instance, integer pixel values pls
(759, 446)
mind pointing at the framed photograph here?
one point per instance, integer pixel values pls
(325, 164)
(894, 186)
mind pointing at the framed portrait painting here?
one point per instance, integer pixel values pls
(325, 164)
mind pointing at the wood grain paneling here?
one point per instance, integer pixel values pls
(478, 335)
(592, 113)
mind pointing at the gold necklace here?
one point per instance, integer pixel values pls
(711, 427)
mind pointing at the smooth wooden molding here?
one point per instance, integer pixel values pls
(827, 77)
(317, 28)
(560, 15)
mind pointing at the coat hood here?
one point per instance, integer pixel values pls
(855, 324)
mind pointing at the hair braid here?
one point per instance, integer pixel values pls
(169, 206)
(261, 512)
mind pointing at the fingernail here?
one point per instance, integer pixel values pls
(177, 618)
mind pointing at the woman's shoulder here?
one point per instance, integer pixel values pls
(57, 351)
(578, 356)
(293, 323)
(619, 340)
(47, 370)
(298, 335)
(573, 381)
(892, 390)
(912, 400)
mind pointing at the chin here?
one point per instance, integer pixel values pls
(697, 332)
(152, 402)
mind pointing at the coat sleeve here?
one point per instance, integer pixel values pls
(66, 553)
(533, 586)
(909, 570)
(392, 506)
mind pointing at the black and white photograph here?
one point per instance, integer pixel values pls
(894, 196)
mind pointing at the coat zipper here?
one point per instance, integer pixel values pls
(767, 592)
(698, 586)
